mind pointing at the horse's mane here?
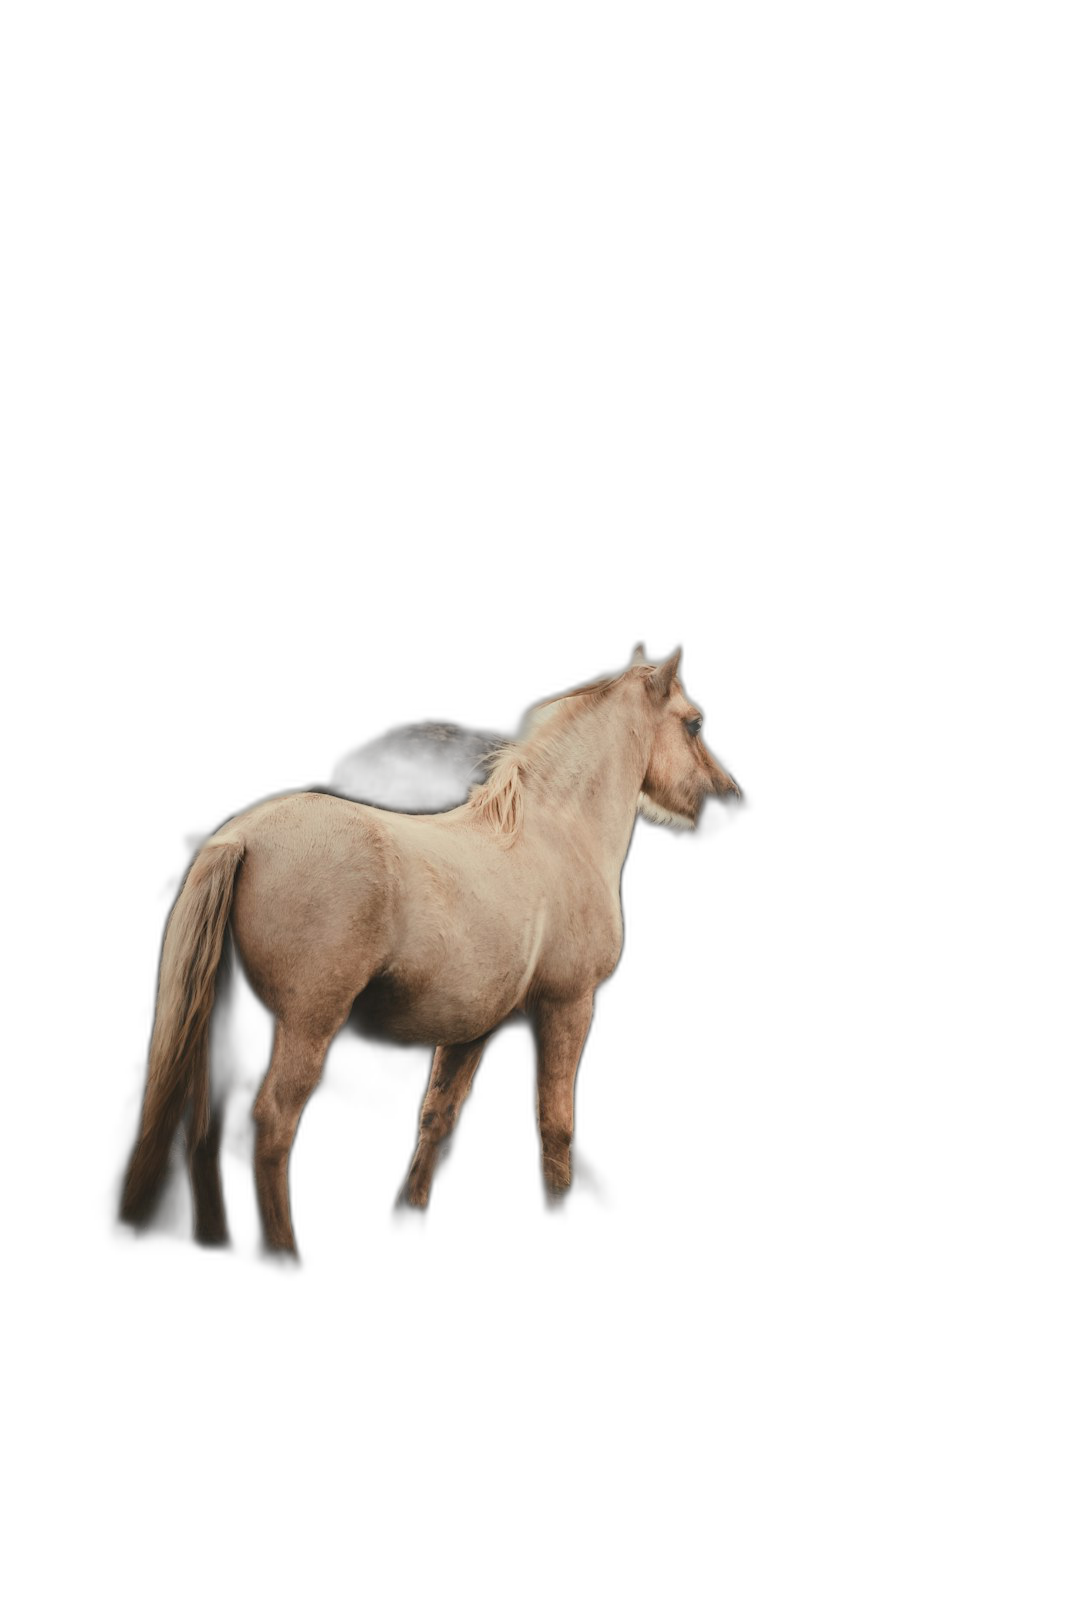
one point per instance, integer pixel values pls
(499, 801)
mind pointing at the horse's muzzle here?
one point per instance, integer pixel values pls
(718, 809)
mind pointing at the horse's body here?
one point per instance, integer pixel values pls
(426, 928)
(431, 929)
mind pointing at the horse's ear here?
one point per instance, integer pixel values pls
(659, 682)
(638, 655)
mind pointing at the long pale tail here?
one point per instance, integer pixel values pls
(179, 1065)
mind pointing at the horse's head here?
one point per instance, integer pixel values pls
(681, 772)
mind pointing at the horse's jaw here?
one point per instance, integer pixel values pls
(658, 815)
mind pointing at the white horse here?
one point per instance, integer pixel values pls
(432, 929)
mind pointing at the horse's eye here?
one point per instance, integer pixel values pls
(694, 726)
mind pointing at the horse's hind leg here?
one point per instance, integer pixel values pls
(452, 1070)
(295, 1070)
(211, 1230)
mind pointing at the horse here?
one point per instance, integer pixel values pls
(428, 928)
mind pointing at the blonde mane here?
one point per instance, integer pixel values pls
(499, 802)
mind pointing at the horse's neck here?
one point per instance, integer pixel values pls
(594, 779)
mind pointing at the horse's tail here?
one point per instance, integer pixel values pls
(179, 1065)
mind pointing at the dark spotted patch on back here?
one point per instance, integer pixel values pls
(390, 771)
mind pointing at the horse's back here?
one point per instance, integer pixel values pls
(313, 895)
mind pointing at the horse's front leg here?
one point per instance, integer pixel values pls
(561, 1028)
(452, 1070)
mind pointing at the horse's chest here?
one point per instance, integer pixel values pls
(584, 943)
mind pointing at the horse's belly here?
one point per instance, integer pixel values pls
(432, 1015)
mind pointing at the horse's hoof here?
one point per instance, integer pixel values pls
(212, 1244)
(555, 1197)
(280, 1259)
(130, 1235)
(410, 1217)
